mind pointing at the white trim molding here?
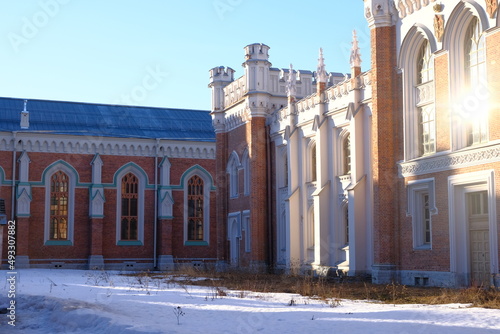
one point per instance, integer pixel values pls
(442, 162)
(458, 187)
(416, 190)
(53, 143)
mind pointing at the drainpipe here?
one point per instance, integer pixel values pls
(155, 232)
(14, 155)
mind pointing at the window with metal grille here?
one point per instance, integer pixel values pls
(129, 219)
(195, 199)
(59, 194)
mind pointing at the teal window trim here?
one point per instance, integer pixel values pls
(129, 243)
(195, 243)
(58, 243)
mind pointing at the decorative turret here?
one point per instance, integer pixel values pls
(380, 13)
(355, 58)
(25, 117)
(257, 51)
(257, 67)
(219, 78)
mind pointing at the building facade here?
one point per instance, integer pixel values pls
(100, 186)
(392, 172)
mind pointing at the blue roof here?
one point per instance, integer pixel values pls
(107, 120)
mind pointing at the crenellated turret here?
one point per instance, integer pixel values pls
(257, 67)
(220, 77)
(257, 51)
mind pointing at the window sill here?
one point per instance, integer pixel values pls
(195, 243)
(129, 243)
(423, 247)
(58, 243)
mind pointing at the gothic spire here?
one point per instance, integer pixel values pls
(321, 72)
(291, 83)
(355, 58)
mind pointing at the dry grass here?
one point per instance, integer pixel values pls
(329, 289)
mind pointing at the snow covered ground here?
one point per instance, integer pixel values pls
(67, 301)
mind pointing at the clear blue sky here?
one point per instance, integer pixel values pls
(159, 52)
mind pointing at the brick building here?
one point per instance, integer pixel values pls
(101, 186)
(392, 172)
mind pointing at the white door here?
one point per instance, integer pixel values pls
(234, 241)
(479, 239)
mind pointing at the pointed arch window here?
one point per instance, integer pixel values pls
(129, 208)
(475, 76)
(313, 163)
(59, 217)
(232, 169)
(195, 198)
(245, 161)
(425, 64)
(346, 150)
(59, 203)
(425, 105)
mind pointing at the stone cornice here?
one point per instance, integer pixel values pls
(407, 7)
(53, 143)
(454, 160)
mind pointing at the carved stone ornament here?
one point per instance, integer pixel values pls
(491, 7)
(438, 8)
(439, 27)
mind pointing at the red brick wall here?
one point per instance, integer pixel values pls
(222, 193)
(258, 186)
(442, 104)
(437, 258)
(386, 143)
(34, 242)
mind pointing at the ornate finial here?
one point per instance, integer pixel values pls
(438, 8)
(321, 72)
(491, 7)
(291, 83)
(355, 51)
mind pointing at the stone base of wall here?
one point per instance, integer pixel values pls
(165, 263)
(383, 273)
(96, 262)
(22, 262)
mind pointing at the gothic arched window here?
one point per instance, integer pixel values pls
(59, 196)
(313, 163)
(129, 209)
(346, 152)
(475, 78)
(425, 106)
(195, 199)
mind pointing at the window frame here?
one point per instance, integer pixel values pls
(419, 213)
(60, 166)
(142, 182)
(476, 129)
(233, 166)
(132, 207)
(413, 88)
(208, 188)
